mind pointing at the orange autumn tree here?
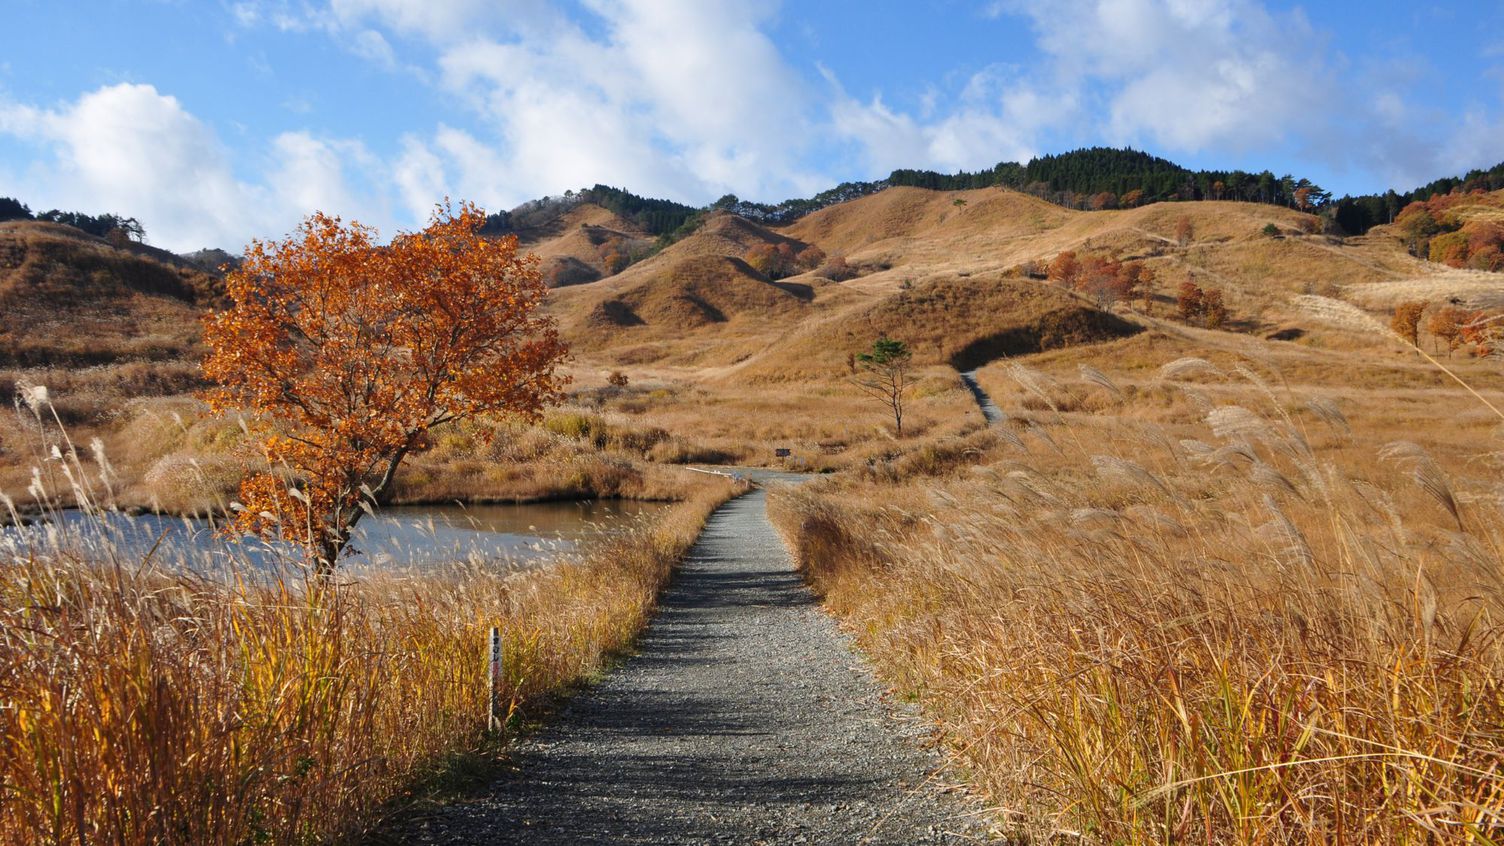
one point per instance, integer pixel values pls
(351, 353)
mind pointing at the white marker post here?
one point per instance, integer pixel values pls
(495, 677)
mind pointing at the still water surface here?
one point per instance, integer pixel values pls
(397, 537)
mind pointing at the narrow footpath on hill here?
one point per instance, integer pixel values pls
(745, 717)
(990, 411)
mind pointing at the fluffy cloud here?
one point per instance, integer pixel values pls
(1231, 76)
(1183, 75)
(133, 150)
(720, 111)
(435, 19)
(997, 117)
(129, 149)
(419, 177)
(689, 99)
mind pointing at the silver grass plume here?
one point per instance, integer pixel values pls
(1114, 467)
(1187, 366)
(1235, 421)
(1426, 474)
(1096, 377)
(1285, 530)
(1328, 412)
(1266, 476)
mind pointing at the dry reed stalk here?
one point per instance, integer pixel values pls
(142, 704)
(1253, 646)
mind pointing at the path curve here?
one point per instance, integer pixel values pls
(745, 717)
(990, 412)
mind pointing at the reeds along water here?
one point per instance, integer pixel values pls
(141, 703)
(1138, 633)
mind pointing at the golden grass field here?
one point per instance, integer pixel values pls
(1235, 585)
(147, 705)
(1197, 588)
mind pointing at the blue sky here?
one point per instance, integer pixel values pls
(215, 121)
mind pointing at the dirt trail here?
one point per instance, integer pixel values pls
(744, 718)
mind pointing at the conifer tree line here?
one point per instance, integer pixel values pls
(658, 217)
(101, 224)
(1102, 177)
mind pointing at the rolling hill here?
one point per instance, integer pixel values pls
(737, 361)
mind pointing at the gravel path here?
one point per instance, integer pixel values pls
(744, 718)
(990, 411)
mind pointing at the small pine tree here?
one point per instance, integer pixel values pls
(884, 375)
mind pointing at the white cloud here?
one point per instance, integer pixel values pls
(720, 111)
(723, 92)
(438, 20)
(993, 120)
(419, 175)
(1477, 143)
(132, 150)
(372, 46)
(1187, 75)
(689, 99)
(309, 173)
(1180, 76)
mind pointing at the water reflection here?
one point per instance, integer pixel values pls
(398, 537)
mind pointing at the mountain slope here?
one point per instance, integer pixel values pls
(70, 299)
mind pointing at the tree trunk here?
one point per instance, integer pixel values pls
(331, 546)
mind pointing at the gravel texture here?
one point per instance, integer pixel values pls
(990, 411)
(744, 718)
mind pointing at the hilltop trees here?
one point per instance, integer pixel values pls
(883, 374)
(1081, 178)
(116, 227)
(13, 209)
(1433, 230)
(1475, 244)
(352, 353)
(1357, 215)
(101, 225)
(1194, 303)
(1417, 227)
(776, 261)
(1103, 278)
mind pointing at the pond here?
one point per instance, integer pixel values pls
(396, 537)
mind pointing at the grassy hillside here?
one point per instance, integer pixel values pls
(584, 244)
(99, 324)
(702, 335)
